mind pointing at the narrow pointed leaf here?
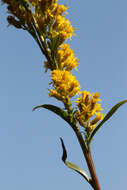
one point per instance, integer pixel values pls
(73, 166)
(109, 114)
(60, 112)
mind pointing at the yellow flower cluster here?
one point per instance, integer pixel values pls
(63, 28)
(48, 14)
(65, 58)
(50, 19)
(88, 106)
(65, 85)
(46, 21)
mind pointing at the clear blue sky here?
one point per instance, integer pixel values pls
(30, 150)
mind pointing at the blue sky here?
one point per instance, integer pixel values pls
(30, 150)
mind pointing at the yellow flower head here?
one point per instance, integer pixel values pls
(63, 28)
(88, 106)
(65, 83)
(57, 95)
(98, 117)
(66, 58)
(59, 9)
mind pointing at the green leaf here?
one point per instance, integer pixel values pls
(73, 166)
(109, 114)
(60, 112)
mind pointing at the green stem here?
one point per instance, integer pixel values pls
(37, 40)
(41, 39)
(88, 158)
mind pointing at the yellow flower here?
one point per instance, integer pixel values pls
(63, 26)
(59, 9)
(94, 122)
(55, 94)
(97, 118)
(96, 96)
(66, 58)
(65, 83)
(88, 106)
(84, 100)
(43, 3)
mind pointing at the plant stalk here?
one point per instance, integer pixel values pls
(88, 158)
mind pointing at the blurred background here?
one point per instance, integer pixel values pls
(30, 149)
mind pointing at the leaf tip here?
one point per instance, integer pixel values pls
(64, 156)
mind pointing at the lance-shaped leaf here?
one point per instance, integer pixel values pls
(60, 112)
(73, 166)
(109, 114)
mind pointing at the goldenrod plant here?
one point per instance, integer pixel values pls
(46, 22)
